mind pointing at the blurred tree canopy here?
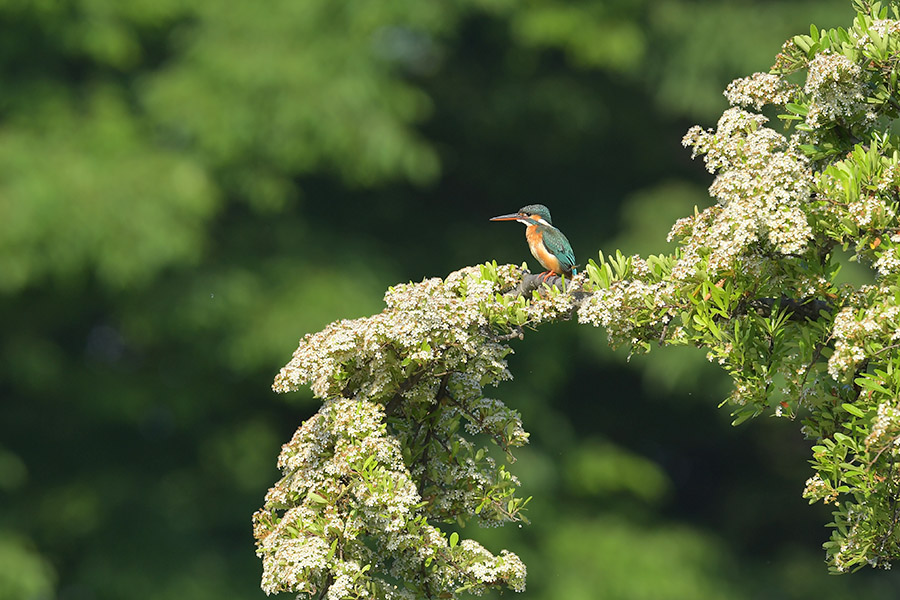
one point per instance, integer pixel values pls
(187, 187)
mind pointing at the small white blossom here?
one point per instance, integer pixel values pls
(888, 263)
(885, 429)
(834, 88)
(760, 89)
(762, 187)
(424, 361)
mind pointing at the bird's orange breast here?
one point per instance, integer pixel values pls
(539, 251)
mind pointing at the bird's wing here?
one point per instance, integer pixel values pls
(557, 244)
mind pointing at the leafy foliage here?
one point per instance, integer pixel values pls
(392, 450)
(755, 279)
(753, 282)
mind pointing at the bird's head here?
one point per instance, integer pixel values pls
(529, 215)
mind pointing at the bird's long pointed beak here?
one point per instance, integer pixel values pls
(509, 217)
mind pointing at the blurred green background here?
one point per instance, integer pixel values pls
(188, 187)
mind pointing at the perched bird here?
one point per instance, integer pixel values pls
(547, 243)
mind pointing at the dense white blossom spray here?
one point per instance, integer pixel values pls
(377, 481)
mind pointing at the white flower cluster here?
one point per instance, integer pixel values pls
(446, 313)
(834, 88)
(882, 27)
(357, 493)
(760, 89)
(550, 306)
(885, 431)
(295, 564)
(346, 574)
(625, 306)
(486, 568)
(762, 187)
(888, 263)
(341, 452)
(867, 209)
(818, 489)
(855, 328)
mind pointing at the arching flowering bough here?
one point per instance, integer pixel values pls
(392, 454)
(397, 450)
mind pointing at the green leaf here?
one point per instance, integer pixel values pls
(314, 497)
(853, 410)
(804, 42)
(797, 109)
(332, 550)
(454, 539)
(844, 439)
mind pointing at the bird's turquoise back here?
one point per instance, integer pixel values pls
(558, 245)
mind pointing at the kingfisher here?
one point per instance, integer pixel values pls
(547, 243)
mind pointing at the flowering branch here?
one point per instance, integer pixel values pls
(391, 453)
(391, 456)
